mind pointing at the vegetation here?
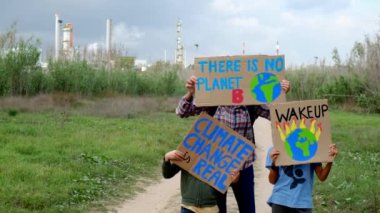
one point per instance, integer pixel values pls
(71, 163)
(352, 85)
(20, 74)
(63, 162)
(353, 184)
(79, 77)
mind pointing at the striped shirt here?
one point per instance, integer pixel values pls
(235, 117)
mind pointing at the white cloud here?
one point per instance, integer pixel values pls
(250, 22)
(226, 6)
(95, 46)
(304, 28)
(239, 7)
(126, 35)
(322, 5)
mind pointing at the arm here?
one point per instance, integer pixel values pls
(235, 176)
(323, 172)
(185, 106)
(168, 168)
(273, 171)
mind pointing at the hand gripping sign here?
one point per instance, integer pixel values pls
(212, 150)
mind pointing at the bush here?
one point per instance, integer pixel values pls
(18, 58)
(82, 78)
(355, 82)
(12, 112)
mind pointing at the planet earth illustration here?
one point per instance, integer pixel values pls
(265, 87)
(301, 144)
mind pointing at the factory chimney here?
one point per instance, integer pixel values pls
(109, 36)
(57, 36)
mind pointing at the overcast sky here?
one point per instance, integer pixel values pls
(304, 28)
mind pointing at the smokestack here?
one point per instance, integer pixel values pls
(243, 47)
(57, 36)
(109, 35)
(277, 48)
(67, 39)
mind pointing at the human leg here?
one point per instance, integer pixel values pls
(185, 210)
(284, 209)
(222, 202)
(244, 191)
(280, 209)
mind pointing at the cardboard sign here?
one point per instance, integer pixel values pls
(212, 150)
(239, 80)
(301, 131)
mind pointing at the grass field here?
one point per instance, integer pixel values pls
(62, 162)
(66, 162)
(354, 181)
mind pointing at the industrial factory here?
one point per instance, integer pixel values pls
(65, 48)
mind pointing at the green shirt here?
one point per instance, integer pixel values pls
(193, 191)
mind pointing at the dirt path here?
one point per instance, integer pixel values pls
(164, 196)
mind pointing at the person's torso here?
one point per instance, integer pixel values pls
(294, 186)
(195, 192)
(237, 118)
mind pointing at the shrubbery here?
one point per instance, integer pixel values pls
(20, 75)
(82, 78)
(354, 83)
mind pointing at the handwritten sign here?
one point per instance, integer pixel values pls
(301, 131)
(239, 80)
(213, 151)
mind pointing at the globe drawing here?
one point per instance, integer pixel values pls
(301, 144)
(265, 87)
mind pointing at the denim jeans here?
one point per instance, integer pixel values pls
(184, 210)
(243, 191)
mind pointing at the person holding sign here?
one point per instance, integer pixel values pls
(197, 196)
(293, 185)
(239, 118)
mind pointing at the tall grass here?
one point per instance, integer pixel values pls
(21, 75)
(82, 78)
(349, 85)
(353, 84)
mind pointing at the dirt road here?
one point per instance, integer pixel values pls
(164, 196)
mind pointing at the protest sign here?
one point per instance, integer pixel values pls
(301, 131)
(212, 151)
(239, 80)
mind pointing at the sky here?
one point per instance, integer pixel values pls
(146, 29)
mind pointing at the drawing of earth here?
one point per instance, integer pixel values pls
(265, 87)
(301, 145)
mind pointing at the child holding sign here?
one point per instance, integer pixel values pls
(293, 185)
(197, 196)
(239, 118)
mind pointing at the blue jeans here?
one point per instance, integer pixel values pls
(284, 209)
(184, 210)
(243, 191)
